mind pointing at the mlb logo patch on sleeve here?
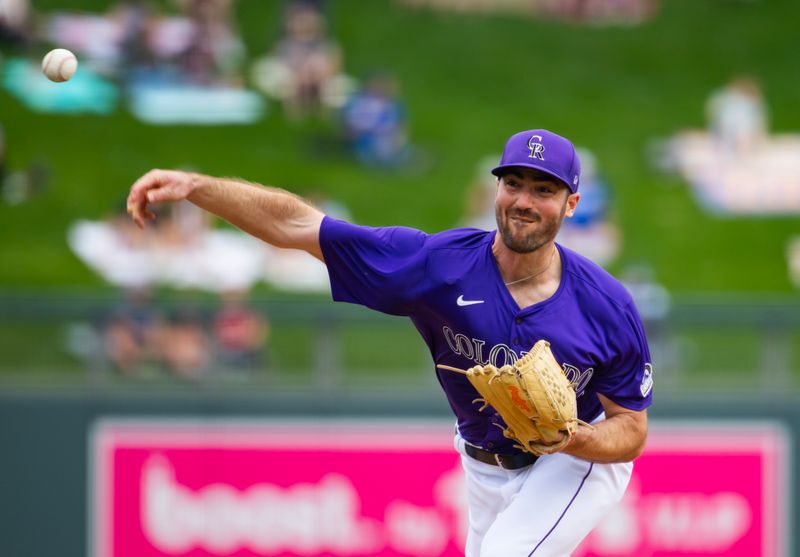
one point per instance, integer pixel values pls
(647, 380)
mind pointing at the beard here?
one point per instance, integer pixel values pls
(522, 242)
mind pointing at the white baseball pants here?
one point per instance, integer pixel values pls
(543, 510)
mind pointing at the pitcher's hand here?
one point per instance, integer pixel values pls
(158, 186)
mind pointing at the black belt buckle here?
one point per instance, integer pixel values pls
(506, 462)
(499, 461)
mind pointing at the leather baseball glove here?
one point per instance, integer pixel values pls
(534, 398)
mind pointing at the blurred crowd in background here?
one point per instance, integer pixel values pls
(593, 12)
(189, 65)
(140, 340)
(737, 166)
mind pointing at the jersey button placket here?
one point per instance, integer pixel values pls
(518, 320)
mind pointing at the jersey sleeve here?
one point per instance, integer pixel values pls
(628, 378)
(381, 268)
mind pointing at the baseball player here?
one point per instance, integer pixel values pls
(485, 298)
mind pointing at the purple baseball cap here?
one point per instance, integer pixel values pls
(545, 151)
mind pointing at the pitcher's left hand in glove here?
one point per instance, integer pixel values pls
(534, 398)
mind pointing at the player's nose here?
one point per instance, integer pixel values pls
(524, 201)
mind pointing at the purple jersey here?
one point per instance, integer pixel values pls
(451, 288)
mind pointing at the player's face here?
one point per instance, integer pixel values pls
(530, 207)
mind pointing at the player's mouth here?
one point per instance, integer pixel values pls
(523, 220)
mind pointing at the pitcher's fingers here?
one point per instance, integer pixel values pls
(163, 193)
(139, 215)
(137, 208)
(137, 196)
(146, 181)
(136, 215)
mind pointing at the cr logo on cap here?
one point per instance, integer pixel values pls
(536, 148)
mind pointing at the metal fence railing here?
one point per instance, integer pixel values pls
(708, 343)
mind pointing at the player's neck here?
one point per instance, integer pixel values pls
(536, 267)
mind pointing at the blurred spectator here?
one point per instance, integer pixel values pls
(19, 186)
(736, 167)
(187, 67)
(136, 21)
(594, 190)
(133, 334)
(215, 52)
(375, 124)
(181, 250)
(591, 12)
(240, 333)
(654, 303)
(652, 299)
(601, 12)
(590, 230)
(479, 211)
(793, 260)
(177, 226)
(15, 20)
(304, 64)
(737, 116)
(186, 347)
(481, 6)
(182, 225)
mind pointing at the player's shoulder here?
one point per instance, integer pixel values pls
(459, 239)
(598, 282)
(455, 253)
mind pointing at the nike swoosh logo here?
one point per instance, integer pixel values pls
(462, 302)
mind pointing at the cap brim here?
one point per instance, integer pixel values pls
(505, 168)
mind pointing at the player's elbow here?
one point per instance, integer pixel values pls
(637, 442)
(628, 453)
(631, 437)
(635, 452)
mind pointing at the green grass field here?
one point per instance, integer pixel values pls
(469, 82)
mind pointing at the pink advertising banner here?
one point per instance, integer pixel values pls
(205, 488)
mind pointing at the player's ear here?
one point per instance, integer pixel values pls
(572, 203)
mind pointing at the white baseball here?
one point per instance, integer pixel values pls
(59, 65)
